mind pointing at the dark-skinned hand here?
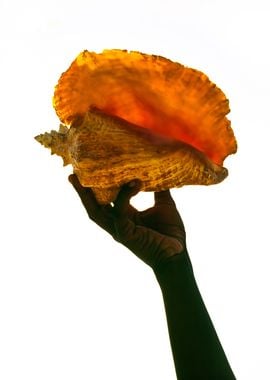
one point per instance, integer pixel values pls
(154, 235)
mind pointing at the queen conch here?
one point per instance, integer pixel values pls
(127, 115)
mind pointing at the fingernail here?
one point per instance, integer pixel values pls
(132, 184)
(70, 178)
(73, 180)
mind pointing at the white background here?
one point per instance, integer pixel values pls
(74, 303)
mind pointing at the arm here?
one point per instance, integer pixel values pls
(196, 348)
(157, 236)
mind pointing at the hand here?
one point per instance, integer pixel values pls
(154, 235)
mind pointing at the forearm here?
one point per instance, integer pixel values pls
(197, 351)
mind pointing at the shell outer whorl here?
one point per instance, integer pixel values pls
(107, 152)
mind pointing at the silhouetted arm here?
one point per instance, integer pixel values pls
(157, 236)
(196, 348)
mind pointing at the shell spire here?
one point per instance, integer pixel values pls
(57, 142)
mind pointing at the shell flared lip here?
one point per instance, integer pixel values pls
(152, 92)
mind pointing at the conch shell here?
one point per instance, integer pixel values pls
(128, 115)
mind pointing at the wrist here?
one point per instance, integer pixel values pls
(172, 266)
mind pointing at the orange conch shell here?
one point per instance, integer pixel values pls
(136, 116)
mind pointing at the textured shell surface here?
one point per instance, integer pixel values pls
(107, 152)
(128, 115)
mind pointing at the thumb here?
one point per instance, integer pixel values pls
(127, 191)
(163, 197)
(86, 195)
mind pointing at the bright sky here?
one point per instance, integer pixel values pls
(74, 303)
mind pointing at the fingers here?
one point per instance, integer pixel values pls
(163, 197)
(105, 216)
(101, 215)
(168, 219)
(86, 195)
(121, 205)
